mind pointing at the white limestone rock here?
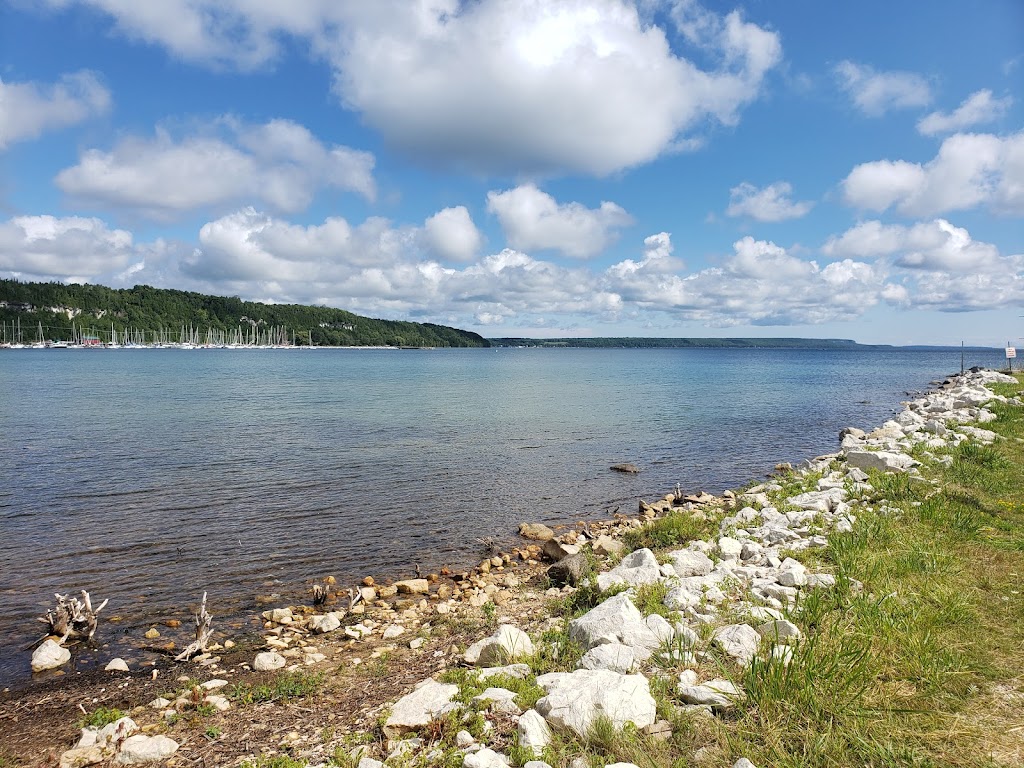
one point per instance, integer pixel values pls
(326, 623)
(717, 694)
(780, 631)
(738, 641)
(614, 656)
(417, 709)
(575, 700)
(145, 749)
(50, 655)
(507, 644)
(268, 661)
(689, 563)
(885, 461)
(533, 730)
(636, 568)
(616, 620)
(485, 758)
(729, 548)
(792, 573)
(116, 665)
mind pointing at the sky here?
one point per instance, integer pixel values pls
(542, 168)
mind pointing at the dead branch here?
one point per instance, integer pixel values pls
(73, 617)
(203, 633)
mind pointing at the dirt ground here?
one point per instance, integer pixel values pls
(40, 720)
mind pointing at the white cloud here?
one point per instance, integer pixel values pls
(531, 87)
(29, 109)
(532, 219)
(50, 247)
(380, 269)
(876, 93)
(772, 203)
(279, 164)
(760, 284)
(969, 170)
(980, 107)
(658, 259)
(929, 245)
(452, 235)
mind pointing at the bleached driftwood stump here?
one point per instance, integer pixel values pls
(204, 631)
(73, 617)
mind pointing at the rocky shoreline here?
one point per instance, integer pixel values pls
(668, 629)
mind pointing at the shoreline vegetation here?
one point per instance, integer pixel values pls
(862, 609)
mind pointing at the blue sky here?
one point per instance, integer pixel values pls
(558, 168)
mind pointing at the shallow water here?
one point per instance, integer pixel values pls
(149, 476)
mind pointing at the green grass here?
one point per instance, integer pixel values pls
(674, 529)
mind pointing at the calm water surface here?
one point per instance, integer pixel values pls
(149, 476)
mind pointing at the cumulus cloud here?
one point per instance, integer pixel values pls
(378, 268)
(279, 164)
(875, 93)
(533, 219)
(29, 109)
(50, 247)
(760, 284)
(452, 235)
(771, 203)
(531, 87)
(658, 259)
(980, 107)
(970, 170)
(928, 245)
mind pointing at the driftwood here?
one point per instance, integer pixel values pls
(203, 633)
(320, 593)
(73, 617)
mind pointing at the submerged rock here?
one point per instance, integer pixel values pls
(49, 655)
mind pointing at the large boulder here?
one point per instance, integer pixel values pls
(616, 620)
(570, 570)
(145, 749)
(575, 700)
(535, 531)
(415, 710)
(413, 586)
(686, 563)
(50, 655)
(506, 645)
(636, 568)
(884, 461)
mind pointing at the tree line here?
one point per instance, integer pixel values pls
(64, 309)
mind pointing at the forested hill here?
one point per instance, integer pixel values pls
(93, 309)
(640, 342)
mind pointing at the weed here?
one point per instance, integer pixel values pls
(490, 611)
(288, 686)
(100, 717)
(275, 761)
(650, 599)
(212, 733)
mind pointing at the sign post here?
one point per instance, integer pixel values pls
(1011, 352)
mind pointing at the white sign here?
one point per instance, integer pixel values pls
(1011, 352)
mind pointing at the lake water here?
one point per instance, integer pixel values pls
(149, 476)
